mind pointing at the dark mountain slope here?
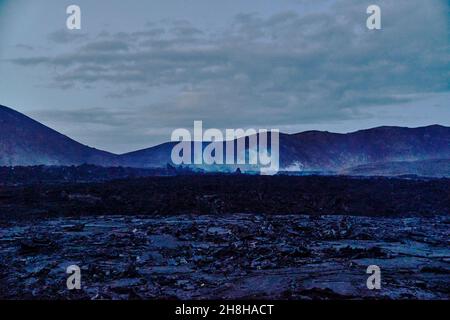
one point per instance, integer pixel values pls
(323, 150)
(316, 150)
(24, 141)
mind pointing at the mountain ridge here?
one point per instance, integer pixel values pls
(25, 141)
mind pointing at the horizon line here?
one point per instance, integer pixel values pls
(280, 132)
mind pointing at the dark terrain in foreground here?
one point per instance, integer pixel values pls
(236, 256)
(222, 194)
(226, 236)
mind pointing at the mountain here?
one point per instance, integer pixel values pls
(24, 141)
(315, 150)
(325, 151)
(157, 156)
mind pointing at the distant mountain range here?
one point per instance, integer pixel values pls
(25, 142)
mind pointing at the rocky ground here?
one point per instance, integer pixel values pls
(222, 195)
(226, 256)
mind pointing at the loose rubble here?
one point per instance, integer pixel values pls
(236, 256)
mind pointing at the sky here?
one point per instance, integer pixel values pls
(139, 69)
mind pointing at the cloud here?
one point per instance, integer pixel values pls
(24, 47)
(106, 46)
(65, 36)
(280, 70)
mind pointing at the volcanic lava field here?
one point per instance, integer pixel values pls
(231, 237)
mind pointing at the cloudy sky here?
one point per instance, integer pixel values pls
(139, 69)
